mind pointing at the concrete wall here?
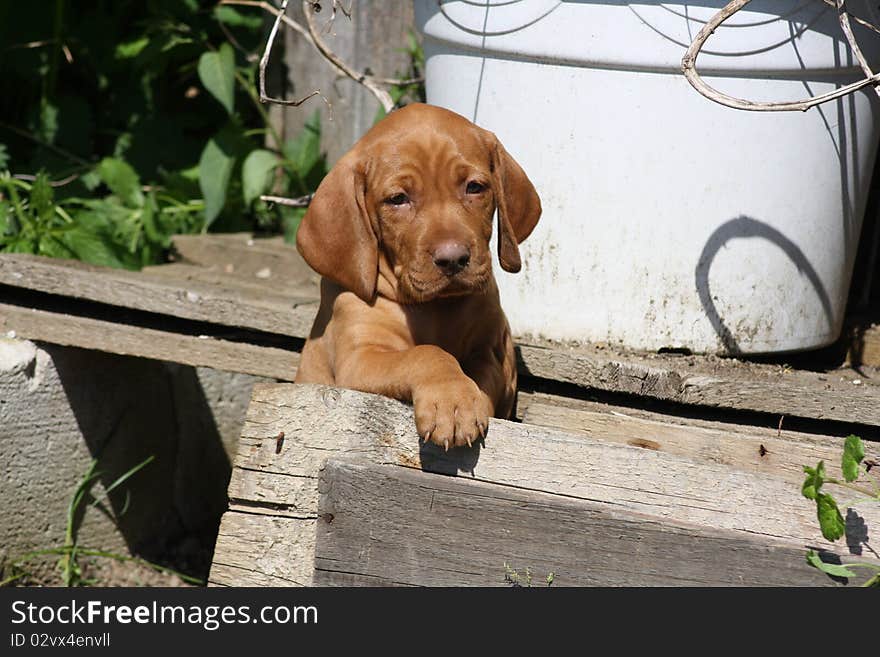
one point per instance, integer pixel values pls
(60, 407)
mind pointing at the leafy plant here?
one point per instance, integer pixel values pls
(145, 134)
(831, 521)
(524, 579)
(127, 228)
(71, 551)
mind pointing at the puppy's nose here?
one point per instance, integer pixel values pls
(451, 257)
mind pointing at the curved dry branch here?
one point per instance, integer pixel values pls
(860, 21)
(271, 9)
(292, 24)
(843, 18)
(689, 61)
(264, 62)
(299, 202)
(367, 81)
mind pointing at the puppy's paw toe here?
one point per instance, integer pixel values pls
(452, 414)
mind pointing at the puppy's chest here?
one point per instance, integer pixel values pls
(454, 329)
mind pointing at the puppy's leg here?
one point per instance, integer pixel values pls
(450, 408)
(495, 374)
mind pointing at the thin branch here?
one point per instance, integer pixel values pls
(367, 81)
(248, 55)
(292, 24)
(843, 17)
(44, 143)
(265, 6)
(399, 82)
(334, 7)
(860, 21)
(264, 62)
(688, 67)
(52, 183)
(301, 202)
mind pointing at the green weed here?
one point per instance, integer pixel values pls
(857, 478)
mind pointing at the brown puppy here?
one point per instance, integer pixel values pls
(399, 229)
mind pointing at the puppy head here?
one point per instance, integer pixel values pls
(420, 188)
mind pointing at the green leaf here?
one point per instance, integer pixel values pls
(54, 248)
(41, 198)
(217, 73)
(122, 181)
(90, 180)
(853, 453)
(833, 569)
(215, 169)
(130, 49)
(229, 16)
(148, 218)
(305, 161)
(290, 221)
(94, 247)
(256, 173)
(22, 245)
(4, 157)
(830, 520)
(128, 474)
(45, 125)
(5, 214)
(813, 482)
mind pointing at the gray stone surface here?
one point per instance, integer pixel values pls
(60, 407)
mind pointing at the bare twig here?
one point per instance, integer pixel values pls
(292, 24)
(367, 81)
(860, 21)
(335, 6)
(688, 66)
(843, 17)
(264, 97)
(231, 38)
(42, 142)
(265, 6)
(311, 33)
(52, 183)
(399, 82)
(301, 202)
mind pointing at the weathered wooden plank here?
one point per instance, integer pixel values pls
(696, 380)
(268, 260)
(779, 453)
(385, 525)
(703, 381)
(116, 338)
(321, 422)
(526, 397)
(180, 273)
(195, 300)
(865, 347)
(710, 381)
(259, 550)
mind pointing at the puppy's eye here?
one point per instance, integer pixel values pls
(397, 199)
(473, 187)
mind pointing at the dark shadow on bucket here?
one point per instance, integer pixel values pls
(746, 227)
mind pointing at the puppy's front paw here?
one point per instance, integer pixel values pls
(451, 413)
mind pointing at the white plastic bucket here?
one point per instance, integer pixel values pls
(669, 221)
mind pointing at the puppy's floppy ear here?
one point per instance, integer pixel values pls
(519, 206)
(336, 236)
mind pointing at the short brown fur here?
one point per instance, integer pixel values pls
(394, 319)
